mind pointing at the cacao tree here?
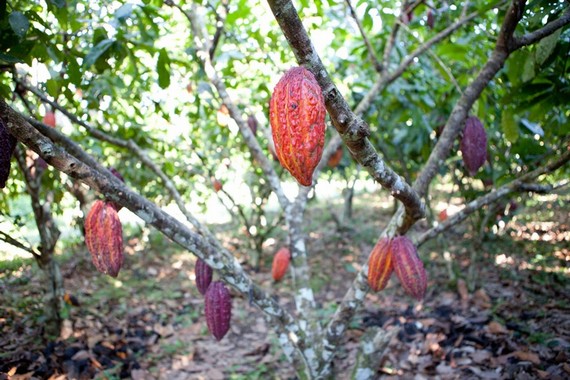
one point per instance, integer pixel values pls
(192, 98)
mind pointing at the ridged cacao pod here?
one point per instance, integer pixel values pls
(203, 276)
(380, 265)
(104, 238)
(297, 116)
(116, 173)
(408, 267)
(280, 263)
(49, 119)
(218, 309)
(430, 22)
(335, 158)
(474, 145)
(7, 146)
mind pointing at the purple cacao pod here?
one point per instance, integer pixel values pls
(218, 309)
(474, 145)
(7, 146)
(203, 276)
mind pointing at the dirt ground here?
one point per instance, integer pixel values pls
(496, 308)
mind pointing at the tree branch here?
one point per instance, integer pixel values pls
(10, 240)
(518, 184)
(371, 53)
(546, 30)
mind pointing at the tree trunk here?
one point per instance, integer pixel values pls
(53, 296)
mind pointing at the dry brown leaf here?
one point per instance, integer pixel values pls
(527, 356)
(495, 327)
(462, 290)
(481, 299)
(140, 374)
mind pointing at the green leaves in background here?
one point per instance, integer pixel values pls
(163, 69)
(509, 125)
(19, 23)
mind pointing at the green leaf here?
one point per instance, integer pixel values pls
(509, 126)
(163, 69)
(96, 52)
(58, 3)
(9, 59)
(546, 46)
(19, 23)
(74, 72)
(52, 87)
(528, 69)
(124, 11)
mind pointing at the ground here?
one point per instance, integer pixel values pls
(497, 306)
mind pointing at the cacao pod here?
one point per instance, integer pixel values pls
(252, 123)
(297, 117)
(216, 184)
(474, 145)
(116, 173)
(218, 309)
(380, 265)
(203, 276)
(442, 215)
(49, 119)
(335, 158)
(408, 267)
(430, 19)
(104, 238)
(280, 263)
(7, 146)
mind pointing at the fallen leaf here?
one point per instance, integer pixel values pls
(495, 327)
(527, 356)
(462, 290)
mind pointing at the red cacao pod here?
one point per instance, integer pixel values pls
(104, 238)
(7, 146)
(380, 265)
(474, 145)
(408, 267)
(203, 276)
(297, 116)
(49, 119)
(280, 263)
(335, 158)
(442, 215)
(218, 309)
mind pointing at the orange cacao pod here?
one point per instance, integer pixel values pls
(203, 276)
(280, 263)
(104, 238)
(218, 309)
(335, 158)
(408, 267)
(297, 117)
(380, 265)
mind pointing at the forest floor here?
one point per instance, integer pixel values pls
(497, 306)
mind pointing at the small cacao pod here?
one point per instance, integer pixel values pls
(430, 22)
(297, 117)
(116, 173)
(408, 267)
(380, 265)
(104, 238)
(280, 263)
(252, 123)
(473, 145)
(218, 309)
(216, 184)
(442, 215)
(49, 119)
(335, 158)
(7, 146)
(203, 276)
